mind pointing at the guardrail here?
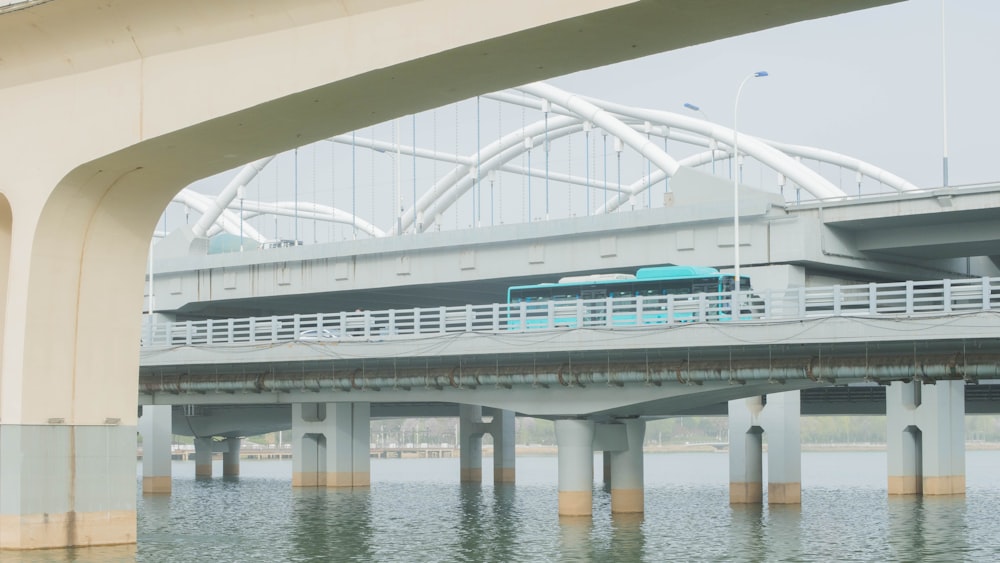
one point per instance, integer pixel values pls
(900, 298)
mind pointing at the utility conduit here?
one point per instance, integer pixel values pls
(830, 370)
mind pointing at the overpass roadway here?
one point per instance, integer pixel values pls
(926, 234)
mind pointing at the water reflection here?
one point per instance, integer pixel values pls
(782, 531)
(421, 513)
(628, 542)
(934, 526)
(746, 532)
(574, 538)
(331, 521)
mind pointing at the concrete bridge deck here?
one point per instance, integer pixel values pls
(692, 358)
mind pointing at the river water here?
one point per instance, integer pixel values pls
(416, 510)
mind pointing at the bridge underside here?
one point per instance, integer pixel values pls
(239, 420)
(655, 372)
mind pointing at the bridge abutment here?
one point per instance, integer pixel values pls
(330, 445)
(778, 415)
(156, 428)
(925, 438)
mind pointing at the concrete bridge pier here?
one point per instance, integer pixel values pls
(627, 487)
(925, 438)
(203, 452)
(330, 445)
(575, 442)
(156, 429)
(231, 457)
(778, 415)
(471, 431)
(606, 467)
(470, 443)
(502, 431)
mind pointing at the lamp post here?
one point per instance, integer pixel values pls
(711, 142)
(736, 187)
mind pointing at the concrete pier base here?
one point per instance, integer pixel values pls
(330, 445)
(66, 485)
(925, 438)
(156, 427)
(777, 415)
(575, 440)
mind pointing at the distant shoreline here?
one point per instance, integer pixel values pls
(693, 448)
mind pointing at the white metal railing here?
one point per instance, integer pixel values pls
(901, 299)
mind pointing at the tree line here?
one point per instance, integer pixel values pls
(668, 431)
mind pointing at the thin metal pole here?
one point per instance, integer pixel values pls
(736, 188)
(944, 104)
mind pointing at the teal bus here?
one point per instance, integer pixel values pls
(654, 295)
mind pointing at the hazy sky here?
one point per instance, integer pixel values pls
(867, 83)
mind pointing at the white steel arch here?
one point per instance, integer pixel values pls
(570, 113)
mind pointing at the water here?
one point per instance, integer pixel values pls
(416, 511)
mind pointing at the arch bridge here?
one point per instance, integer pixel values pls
(133, 100)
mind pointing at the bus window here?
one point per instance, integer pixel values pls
(728, 285)
(704, 286)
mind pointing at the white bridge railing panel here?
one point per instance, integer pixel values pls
(935, 297)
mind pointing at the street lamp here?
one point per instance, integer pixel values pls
(736, 187)
(693, 107)
(711, 142)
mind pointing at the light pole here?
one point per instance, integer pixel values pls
(711, 142)
(736, 189)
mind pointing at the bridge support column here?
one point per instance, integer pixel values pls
(203, 452)
(471, 430)
(502, 430)
(778, 415)
(470, 447)
(330, 445)
(782, 422)
(156, 427)
(231, 458)
(627, 487)
(925, 438)
(575, 441)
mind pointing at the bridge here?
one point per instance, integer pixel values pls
(808, 335)
(608, 363)
(113, 85)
